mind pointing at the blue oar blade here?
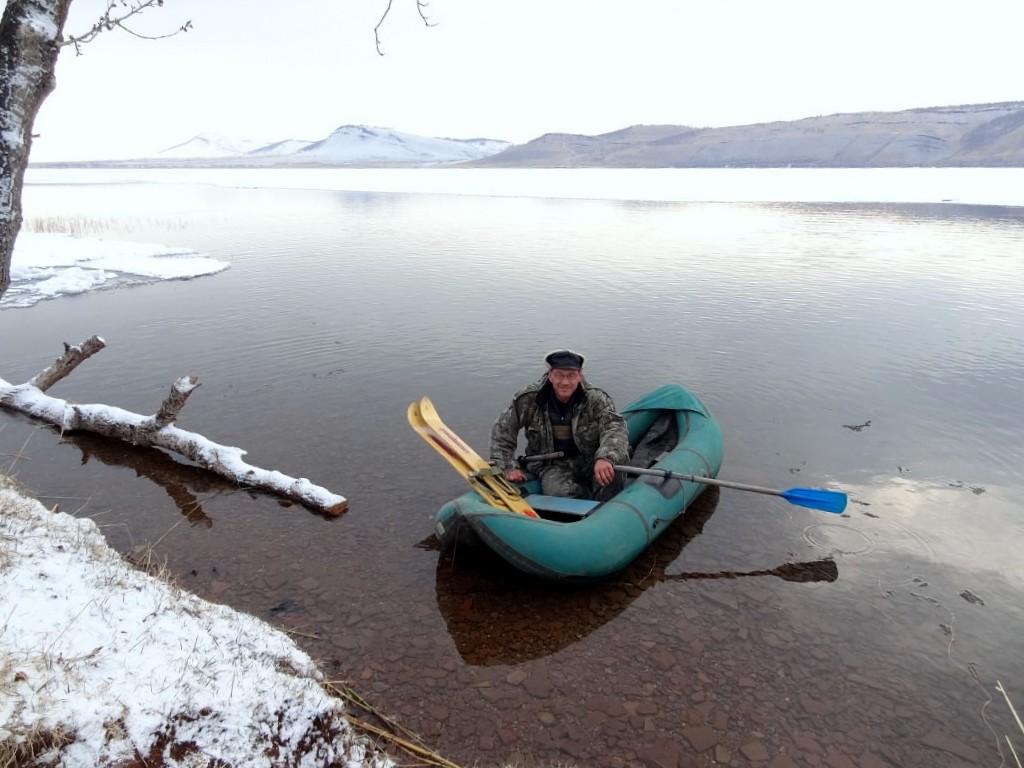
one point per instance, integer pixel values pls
(826, 501)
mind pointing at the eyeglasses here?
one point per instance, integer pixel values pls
(564, 375)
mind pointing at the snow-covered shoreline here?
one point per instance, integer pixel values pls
(102, 663)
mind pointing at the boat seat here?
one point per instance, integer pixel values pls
(563, 505)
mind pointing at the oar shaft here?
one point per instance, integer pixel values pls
(541, 457)
(697, 479)
(826, 501)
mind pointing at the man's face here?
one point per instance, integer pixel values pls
(564, 381)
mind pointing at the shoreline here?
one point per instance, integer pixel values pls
(104, 662)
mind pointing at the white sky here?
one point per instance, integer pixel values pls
(515, 70)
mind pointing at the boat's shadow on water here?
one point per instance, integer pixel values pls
(496, 614)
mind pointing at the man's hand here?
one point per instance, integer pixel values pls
(515, 476)
(604, 471)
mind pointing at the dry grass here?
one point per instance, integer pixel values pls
(19, 749)
(146, 559)
(26, 750)
(1016, 717)
(81, 226)
(8, 543)
(389, 732)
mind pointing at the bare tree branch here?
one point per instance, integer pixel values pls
(421, 8)
(66, 363)
(117, 13)
(174, 402)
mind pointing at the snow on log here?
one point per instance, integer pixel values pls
(157, 430)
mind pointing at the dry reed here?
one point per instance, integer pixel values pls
(83, 226)
(1016, 717)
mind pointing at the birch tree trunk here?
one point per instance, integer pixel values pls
(30, 36)
(157, 430)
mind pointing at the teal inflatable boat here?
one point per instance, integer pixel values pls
(582, 540)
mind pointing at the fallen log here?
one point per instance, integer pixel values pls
(157, 430)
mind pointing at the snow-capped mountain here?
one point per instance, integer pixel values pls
(211, 145)
(286, 147)
(348, 145)
(365, 144)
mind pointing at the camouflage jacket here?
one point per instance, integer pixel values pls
(598, 429)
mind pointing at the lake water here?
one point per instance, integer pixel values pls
(860, 330)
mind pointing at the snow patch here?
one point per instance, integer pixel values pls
(124, 664)
(46, 265)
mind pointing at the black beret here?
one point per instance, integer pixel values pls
(564, 358)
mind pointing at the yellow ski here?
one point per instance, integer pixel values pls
(483, 478)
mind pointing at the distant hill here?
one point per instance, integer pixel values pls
(978, 135)
(347, 146)
(360, 144)
(285, 147)
(972, 135)
(209, 145)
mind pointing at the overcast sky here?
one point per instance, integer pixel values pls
(515, 70)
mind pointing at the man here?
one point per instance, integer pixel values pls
(563, 412)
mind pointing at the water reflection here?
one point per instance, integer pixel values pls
(498, 616)
(187, 485)
(801, 573)
(792, 319)
(184, 484)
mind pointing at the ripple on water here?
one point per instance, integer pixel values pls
(836, 539)
(912, 540)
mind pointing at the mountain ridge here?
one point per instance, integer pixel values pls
(972, 135)
(962, 135)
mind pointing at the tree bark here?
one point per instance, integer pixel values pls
(67, 362)
(157, 430)
(30, 36)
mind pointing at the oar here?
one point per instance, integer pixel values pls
(826, 501)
